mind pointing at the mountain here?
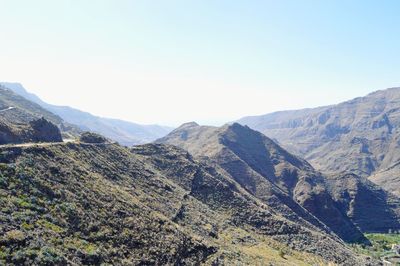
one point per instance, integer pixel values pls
(276, 177)
(18, 110)
(101, 203)
(24, 121)
(360, 136)
(126, 133)
(241, 199)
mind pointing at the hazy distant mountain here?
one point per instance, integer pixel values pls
(126, 133)
(24, 121)
(19, 110)
(361, 136)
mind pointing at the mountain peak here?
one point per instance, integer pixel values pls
(236, 127)
(188, 125)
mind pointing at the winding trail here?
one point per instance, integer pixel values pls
(47, 144)
(36, 144)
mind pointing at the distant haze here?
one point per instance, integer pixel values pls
(168, 62)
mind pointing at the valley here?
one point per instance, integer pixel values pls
(199, 133)
(199, 195)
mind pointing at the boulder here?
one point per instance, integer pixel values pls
(90, 137)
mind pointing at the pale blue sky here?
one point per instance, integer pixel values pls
(169, 62)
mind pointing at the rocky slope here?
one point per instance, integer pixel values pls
(268, 172)
(126, 133)
(361, 136)
(258, 163)
(154, 204)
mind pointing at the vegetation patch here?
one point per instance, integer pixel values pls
(381, 247)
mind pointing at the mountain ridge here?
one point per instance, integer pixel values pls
(126, 133)
(360, 136)
(268, 172)
(24, 121)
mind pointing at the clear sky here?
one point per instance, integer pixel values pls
(173, 61)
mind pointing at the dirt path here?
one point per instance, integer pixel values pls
(9, 108)
(47, 144)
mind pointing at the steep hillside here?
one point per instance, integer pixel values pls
(360, 136)
(102, 203)
(369, 206)
(126, 133)
(267, 171)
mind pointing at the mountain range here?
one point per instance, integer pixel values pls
(101, 203)
(24, 121)
(199, 195)
(126, 133)
(360, 136)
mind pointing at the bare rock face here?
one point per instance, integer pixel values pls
(45, 131)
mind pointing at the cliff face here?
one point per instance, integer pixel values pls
(360, 136)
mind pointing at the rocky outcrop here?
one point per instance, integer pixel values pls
(45, 131)
(40, 130)
(90, 137)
